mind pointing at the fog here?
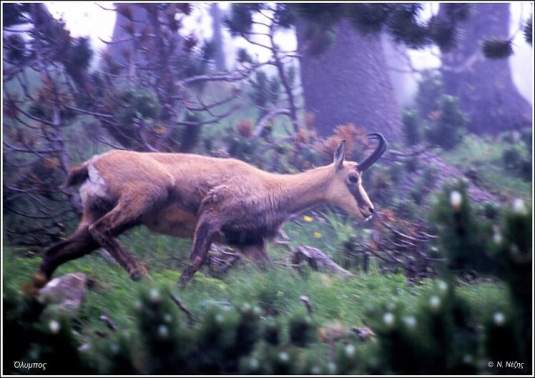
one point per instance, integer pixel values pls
(91, 19)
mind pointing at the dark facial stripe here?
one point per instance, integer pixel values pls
(353, 189)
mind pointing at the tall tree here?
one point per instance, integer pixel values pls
(129, 20)
(349, 82)
(217, 38)
(484, 86)
(343, 65)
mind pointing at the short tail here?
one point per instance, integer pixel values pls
(77, 175)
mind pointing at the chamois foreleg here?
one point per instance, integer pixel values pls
(205, 231)
(122, 217)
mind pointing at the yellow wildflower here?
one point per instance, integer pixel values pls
(308, 218)
(317, 234)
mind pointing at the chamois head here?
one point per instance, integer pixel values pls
(345, 190)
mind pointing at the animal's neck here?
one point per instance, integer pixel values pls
(298, 192)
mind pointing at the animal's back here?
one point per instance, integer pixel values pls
(132, 166)
(184, 178)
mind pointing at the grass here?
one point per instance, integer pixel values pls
(348, 301)
(276, 291)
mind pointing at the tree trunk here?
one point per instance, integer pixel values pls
(349, 83)
(403, 80)
(217, 39)
(122, 45)
(484, 86)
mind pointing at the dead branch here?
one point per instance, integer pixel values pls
(263, 122)
(317, 260)
(412, 238)
(183, 308)
(108, 322)
(308, 305)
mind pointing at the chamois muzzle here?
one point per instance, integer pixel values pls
(376, 155)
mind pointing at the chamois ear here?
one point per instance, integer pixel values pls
(339, 155)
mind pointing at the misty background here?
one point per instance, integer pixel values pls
(89, 19)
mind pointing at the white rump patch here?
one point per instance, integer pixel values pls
(95, 186)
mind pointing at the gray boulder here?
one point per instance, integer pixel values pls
(66, 292)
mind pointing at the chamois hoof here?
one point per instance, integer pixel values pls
(39, 280)
(183, 281)
(31, 289)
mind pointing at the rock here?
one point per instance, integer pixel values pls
(67, 292)
(363, 333)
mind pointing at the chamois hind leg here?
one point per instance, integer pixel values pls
(204, 235)
(126, 214)
(80, 243)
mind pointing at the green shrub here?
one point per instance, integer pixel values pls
(411, 128)
(447, 128)
(430, 90)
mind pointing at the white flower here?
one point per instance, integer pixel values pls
(499, 318)
(519, 207)
(443, 286)
(257, 311)
(350, 350)
(219, 318)
(283, 356)
(456, 199)
(167, 318)
(497, 237)
(163, 331)
(388, 318)
(154, 295)
(331, 366)
(54, 326)
(253, 363)
(410, 321)
(435, 302)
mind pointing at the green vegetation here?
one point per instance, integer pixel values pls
(484, 158)
(255, 321)
(276, 292)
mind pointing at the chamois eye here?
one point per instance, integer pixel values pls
(353, 179)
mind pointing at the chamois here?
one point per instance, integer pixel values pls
(209, 199)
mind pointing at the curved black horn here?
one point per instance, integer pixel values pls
(376, 155)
